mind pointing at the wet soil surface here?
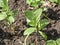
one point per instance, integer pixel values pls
(9, 37)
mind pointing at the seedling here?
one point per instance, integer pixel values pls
(5, 13)
(34, 20)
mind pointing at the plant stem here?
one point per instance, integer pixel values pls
(37, 34)
(47, 17)
(12, 29)
(25, 40)
(36, 40)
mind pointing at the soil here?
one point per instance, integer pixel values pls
(16, 37)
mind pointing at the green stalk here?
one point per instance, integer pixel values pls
(12, 28)
(37, 34)
(47, 17)
(25, 40)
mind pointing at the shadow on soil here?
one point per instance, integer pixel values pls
(3, 36)
(52, 34)
(53, 14)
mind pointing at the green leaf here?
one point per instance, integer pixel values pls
(43, 35)
(32, 23)
(3, 16)
(11, 19)
(38, 0)
(43, 23)
(58, 41)
(5, 2)
(37, 15)
(33, 17)
(50, 42)
(59, 2)
(34, 5)
(29, 15)
(32, 44)
(10, 13)
(29, 31)
(6, 7)
(54, 0)
(1, 3)
(28, 21)
(30, 1)
(44, 8)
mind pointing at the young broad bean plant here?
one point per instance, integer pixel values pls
(34, 20)
(5, 13)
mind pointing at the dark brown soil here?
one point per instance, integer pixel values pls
(9, 37)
